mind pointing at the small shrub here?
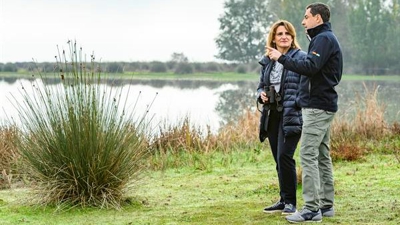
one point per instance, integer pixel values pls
(241, 69)
(211, 67)
(198, 67)
(158, 67)
(9, 67)
(347, 151)
(171, 65)
(183, 68)
(395, 128)
(114, 67)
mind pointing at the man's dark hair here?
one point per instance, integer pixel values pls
(321, 9)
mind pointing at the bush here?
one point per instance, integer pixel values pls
(10, 67)
(211, 67)
(241, 69)
(198, 67)
(183, 68)
(171, 65)
(114, 67)
(81, 148)
(158, 67)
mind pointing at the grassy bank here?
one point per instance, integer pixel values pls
(234, 191)
(218, 76)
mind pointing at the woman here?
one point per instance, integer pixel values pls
(277, 90)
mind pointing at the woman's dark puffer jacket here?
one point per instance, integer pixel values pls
(292, 119)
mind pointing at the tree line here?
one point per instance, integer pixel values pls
(172, 67)
(367, 30)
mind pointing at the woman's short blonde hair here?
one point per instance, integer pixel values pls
(289, 27)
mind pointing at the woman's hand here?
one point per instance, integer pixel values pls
(273, 53)
(264, 97)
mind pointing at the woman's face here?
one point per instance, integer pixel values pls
(282, 39)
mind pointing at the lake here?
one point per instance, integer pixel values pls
(207, 103)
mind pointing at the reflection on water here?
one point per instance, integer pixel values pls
(206, 103)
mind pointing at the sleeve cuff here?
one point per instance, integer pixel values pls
(282, 59)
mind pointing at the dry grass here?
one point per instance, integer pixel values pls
(351, 135)
(244, 132)
(183, 137)
(170, 146)
(8, 155)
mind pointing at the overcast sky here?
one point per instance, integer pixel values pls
(115, 30)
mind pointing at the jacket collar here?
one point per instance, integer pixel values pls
(319, 29)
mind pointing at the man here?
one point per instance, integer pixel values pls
(322, 70)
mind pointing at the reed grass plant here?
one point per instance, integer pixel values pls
(83, 147)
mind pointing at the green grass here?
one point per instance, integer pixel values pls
(233, 190)
(371, 77)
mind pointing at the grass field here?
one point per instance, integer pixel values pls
(232, 190)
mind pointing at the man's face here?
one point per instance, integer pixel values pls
(311, 21)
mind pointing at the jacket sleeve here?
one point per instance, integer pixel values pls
(318, 54)
(263, 62)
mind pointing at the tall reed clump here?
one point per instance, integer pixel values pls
(81, 143)
(352, 133)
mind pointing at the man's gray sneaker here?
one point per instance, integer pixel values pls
(289, 209)
(277, 207)
(328, 212)
(305, 215)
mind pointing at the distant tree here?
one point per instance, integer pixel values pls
(241, 69)
(392, 38)
(158, 67)
(179, 58)
(114, 67)
(212, 67)
(243, 27)
(48, 67)
(369, 26)
(10, 67)
(293, 11)
(183, 68)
